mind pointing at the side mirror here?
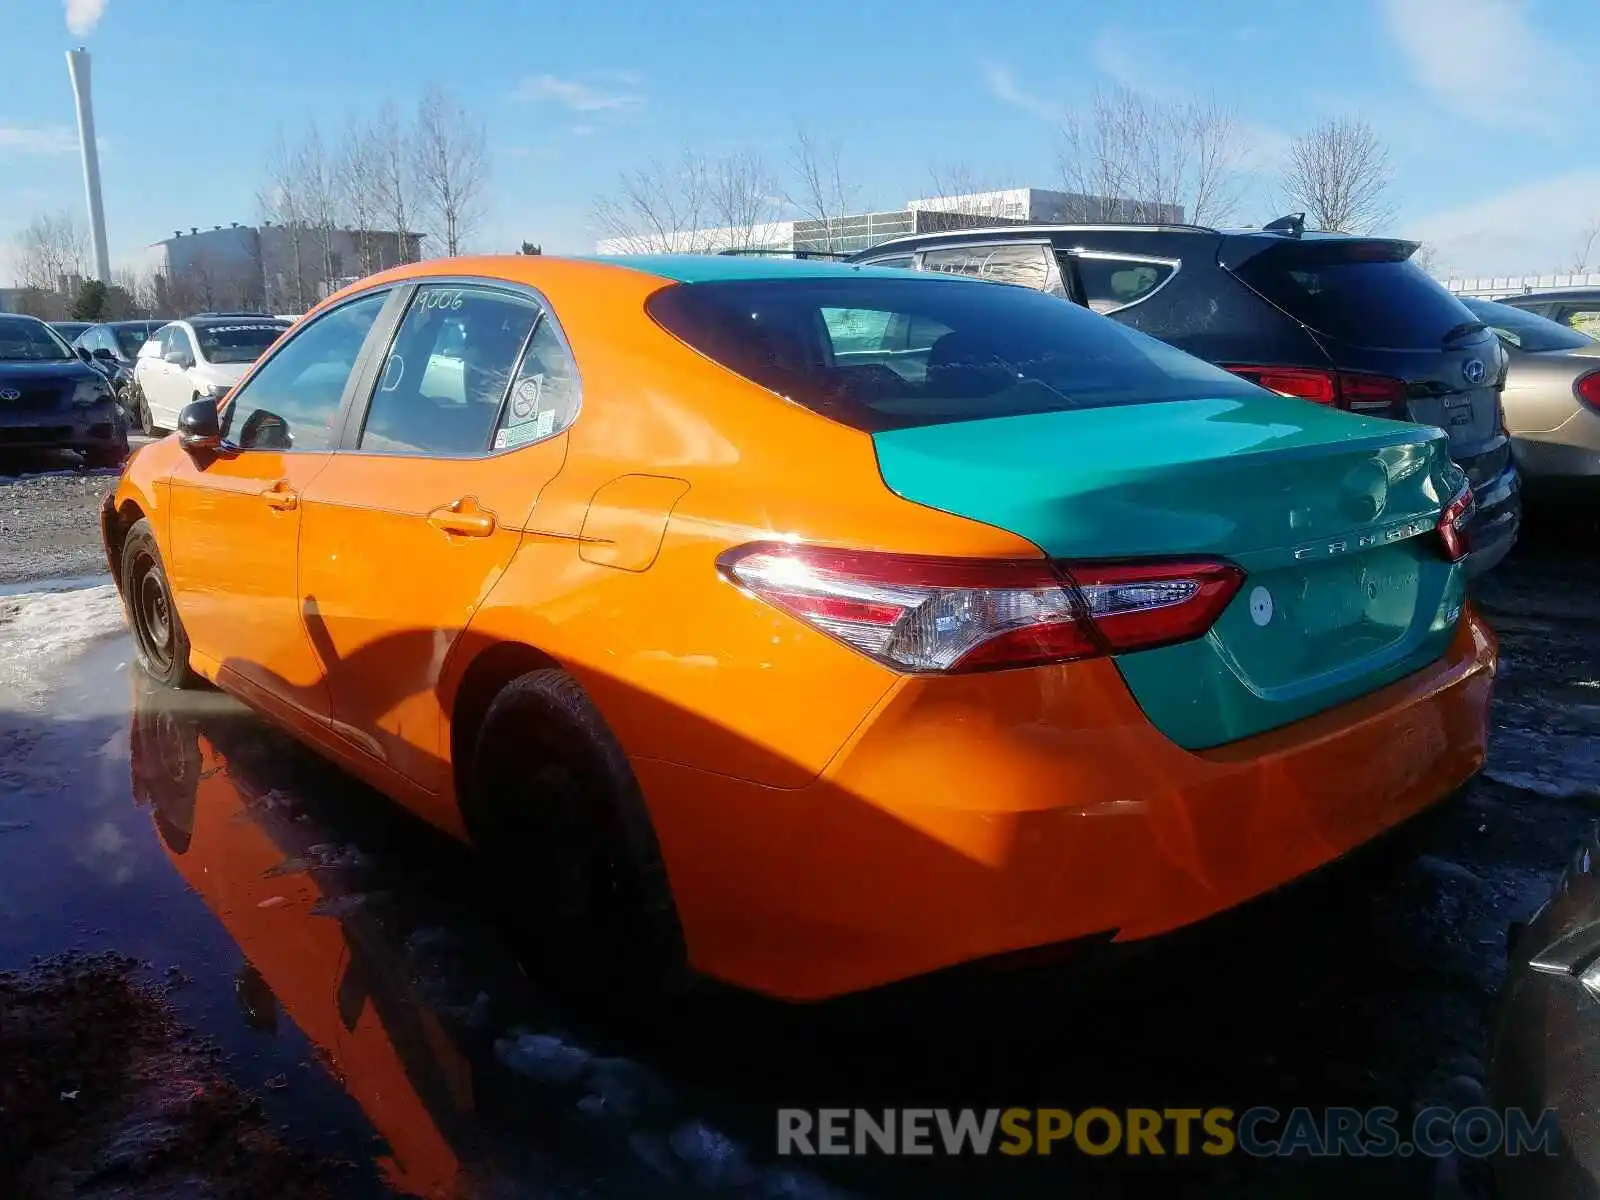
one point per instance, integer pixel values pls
(105, 355)
(198, 427)
(178, 358)
(83, 353)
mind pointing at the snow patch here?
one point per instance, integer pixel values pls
(39, 629)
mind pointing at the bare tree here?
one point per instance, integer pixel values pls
(818, 190)
(1584, 248)
(50, 252)
(395, 177)
(659, 208)
(1139, 158)
(283, 202)
(357, 175)
(1426, 256)
(320, 197)
(950, 179)
(695, 205)
(451, 160)
(1339, 174)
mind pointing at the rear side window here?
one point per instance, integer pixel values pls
(1111, 283)
(1525, 330)
(877, 353)
(1030, 266)
(1363, 293)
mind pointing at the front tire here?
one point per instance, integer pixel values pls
(555, 809)
(160, 642)
(147, 425)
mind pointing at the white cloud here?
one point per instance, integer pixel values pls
(84, 15)
(37, 140)
(1134, 62)
(1532, 227)
(582, 97)
(1004, 86)
(1483, 58)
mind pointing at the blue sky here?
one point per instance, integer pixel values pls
(1490, 107)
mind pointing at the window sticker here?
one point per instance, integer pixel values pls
(529, 431)
(525, 400)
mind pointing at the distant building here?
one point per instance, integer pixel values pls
(277, 268)
(12, 298)
(860, 231)
(1493, 287)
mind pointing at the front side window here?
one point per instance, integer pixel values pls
(448, 372)
(1525, 330)
(1585, 318)
(178, 341)
(1112, 283)
(948, 350)
(23, 339)
(130, 338)
(292, 402)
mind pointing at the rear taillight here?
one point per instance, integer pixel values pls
(1355, 390)
(1361, 391)
(1588, 390)
(1453, 522)
(921, 614)
(1319, 386)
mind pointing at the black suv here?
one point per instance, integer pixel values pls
(1349, 321)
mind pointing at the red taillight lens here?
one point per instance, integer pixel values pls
(1453, 523)
(1362, 391)
(1588, 390)
(1318, 386)
(922, 614)
(1347, 389)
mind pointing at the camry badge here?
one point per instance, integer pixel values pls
(1473, 370)
(10, 394)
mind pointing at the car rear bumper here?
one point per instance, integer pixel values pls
(1570, 451)
(977, 815)
(61, 429)
(1497, 519)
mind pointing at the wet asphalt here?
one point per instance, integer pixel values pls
(347, 962)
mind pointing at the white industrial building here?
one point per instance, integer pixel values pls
(279, 268)
(860, 231)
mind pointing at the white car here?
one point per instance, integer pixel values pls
(197, 359)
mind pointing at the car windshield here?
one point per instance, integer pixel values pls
(237, 342)
(878, 353)
(25, 340)
(131, 337)
(1525, 330)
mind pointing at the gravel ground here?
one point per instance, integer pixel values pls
(49, 517)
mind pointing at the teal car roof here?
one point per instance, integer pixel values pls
(717, 268)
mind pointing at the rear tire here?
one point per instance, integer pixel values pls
(556, 811)
(160, 642)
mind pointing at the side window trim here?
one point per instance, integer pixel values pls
(340, 420)
(1075, 253)
(376, 353)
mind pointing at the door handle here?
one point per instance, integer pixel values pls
(463, 517)
(279, 496)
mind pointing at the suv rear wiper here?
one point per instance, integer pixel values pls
(1461, 331)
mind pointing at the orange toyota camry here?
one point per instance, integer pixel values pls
(811, 626)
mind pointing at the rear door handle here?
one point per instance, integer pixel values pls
(279, 496)
(464, 518)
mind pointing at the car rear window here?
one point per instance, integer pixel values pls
(1525, 330)
(879, 354)
(237, 341)
(1363, 293)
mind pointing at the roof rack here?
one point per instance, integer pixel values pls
(760, 251)
(1024, 228)
(198, 316)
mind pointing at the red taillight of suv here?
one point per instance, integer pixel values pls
(1355, 390)
(1588, 389)
(1453, 524)
(920, 614)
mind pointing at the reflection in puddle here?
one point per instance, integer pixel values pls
(416, 1012)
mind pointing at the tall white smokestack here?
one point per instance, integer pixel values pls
(78, 68)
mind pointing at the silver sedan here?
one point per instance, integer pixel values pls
(1552, 393)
